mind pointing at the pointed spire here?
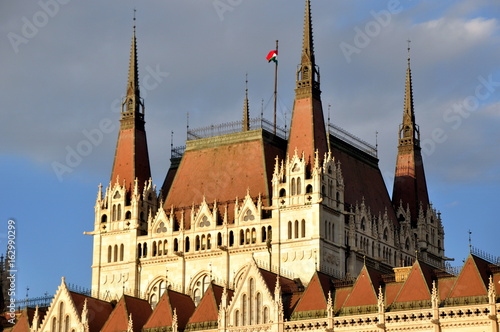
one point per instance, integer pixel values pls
(410, 186)
(307, 130)
(131, 156)
(246, 111)
(409, 129)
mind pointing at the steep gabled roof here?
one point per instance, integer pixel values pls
(208, 308)
(445, 285)
(418, 284)
(288, 286)
(341, 295)
(473, 279)
(100, 309)
(128, 305)
(391, 291)
(162, 315)
(315, 296)
(23, 321)
(365, 289)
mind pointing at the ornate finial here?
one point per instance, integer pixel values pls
(492, 295)
(380, 300)
(434, 295)
(470, 241)
(409, 41)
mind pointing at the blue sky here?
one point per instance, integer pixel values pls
(63, 78)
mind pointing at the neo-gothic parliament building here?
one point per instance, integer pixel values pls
(255, 230)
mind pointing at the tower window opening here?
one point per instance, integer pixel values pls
(296, 228)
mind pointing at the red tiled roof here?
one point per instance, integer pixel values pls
(288, 286)
(341, 295)
(208, 308)
(391, 291)
(418, 285)
(444, 286)
(216, 172)
(99, 310)
(118, 320)
(23, 322)
(473, 279)
(162, 315)
(363, 179)
(315, 296)
(365, 289)
(307, 129)
(131, 158)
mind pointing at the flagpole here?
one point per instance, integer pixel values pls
(275, 87)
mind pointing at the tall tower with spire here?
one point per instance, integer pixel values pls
(131, 157)
(307, 131)
(123, 209)
(410, 187)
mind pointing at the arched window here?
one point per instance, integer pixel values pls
(265, 315)
(200, 287)
(332, 233)
(289, 230)
(187, 246)
(303, 228)
(60, 318)
(104, 218)
(145, 250)
(282, 192)
(153, 300)
(128, 215)
(258, 309)
(139, 250)
(197, 243)
(293, 187)
(247, 236)
(231, 238)
(176, 245)
(66, 323)
(263, 234)
(309, 189)
(203, 244)
(337, 198)
(386, 234)
(113, 212)
(250, 301)
(363, 224)
(219, 239)
(165, 247)
(299, 186)
(122, 249)
(244, 311)
(109, 254)
(407, 244)
(115, 253)
(296, 229)
(209, 242)
(119, 213)
(269, 233)
(237, 318)
(242, 237)
(54, 324)
(254, 235)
